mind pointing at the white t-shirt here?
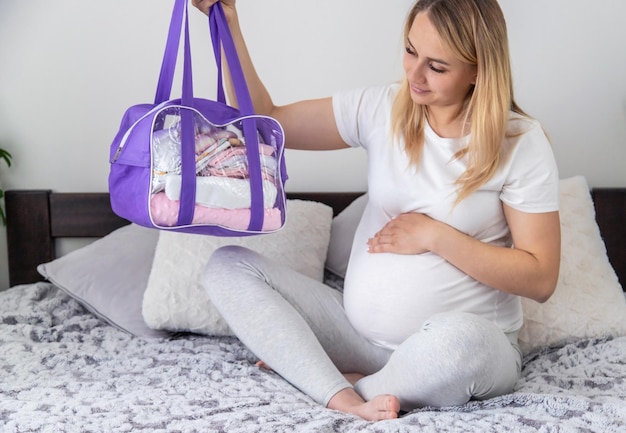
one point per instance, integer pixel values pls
(387, 297)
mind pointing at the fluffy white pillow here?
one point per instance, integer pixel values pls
(588, 301)
(342, 234)
(175, 299)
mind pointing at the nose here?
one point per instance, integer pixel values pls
(415, 72)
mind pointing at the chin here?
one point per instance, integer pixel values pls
(419, 99)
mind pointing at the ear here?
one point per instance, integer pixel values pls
(474, 77)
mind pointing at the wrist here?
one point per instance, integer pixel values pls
(231, 14)
(437, 236)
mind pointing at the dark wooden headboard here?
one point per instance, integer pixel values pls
(36, 218)
(610, 205)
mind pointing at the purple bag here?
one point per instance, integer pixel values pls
(194, 165)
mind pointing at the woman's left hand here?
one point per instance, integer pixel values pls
(409, 233)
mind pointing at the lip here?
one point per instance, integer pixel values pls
(418, 91)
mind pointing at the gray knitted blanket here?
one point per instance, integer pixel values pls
(64, 370)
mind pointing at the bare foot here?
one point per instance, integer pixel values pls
(379, 408)
(353, 378)
(263, 365)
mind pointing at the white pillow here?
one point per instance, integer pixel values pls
(342, 234)
(175, 299)
(588, 301)
(109, 276)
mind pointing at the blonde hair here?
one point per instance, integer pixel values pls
(475, 31)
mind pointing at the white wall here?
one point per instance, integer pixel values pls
(68, 69)
(569, 61)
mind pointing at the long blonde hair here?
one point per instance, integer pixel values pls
(475, 31)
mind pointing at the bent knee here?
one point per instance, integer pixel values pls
(475, 338)
(478, 357)
(227, 255)
(224, 266)
(468, 338)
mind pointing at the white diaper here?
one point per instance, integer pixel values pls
(221, 192)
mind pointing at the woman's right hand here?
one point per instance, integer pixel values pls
(205, 5)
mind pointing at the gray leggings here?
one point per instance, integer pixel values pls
(298, 327)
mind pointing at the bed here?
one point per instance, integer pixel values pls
(67, 363)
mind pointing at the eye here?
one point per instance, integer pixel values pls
(409, 51)
(436, 70)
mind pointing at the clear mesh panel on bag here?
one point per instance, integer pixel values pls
(222, 170)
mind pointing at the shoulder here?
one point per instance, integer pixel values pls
(367, 97)
(362, 112)
(530, 169)
(525, 134)
(520, 124)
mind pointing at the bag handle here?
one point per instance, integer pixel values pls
(187, 202)
(220, 32)
(221, 37)
(168, 64)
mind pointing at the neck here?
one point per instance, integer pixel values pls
(447, 122)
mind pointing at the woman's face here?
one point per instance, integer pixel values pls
(436, 77)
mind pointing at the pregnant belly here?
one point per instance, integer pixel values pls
(388, 297)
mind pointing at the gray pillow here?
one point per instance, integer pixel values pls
(110, 276)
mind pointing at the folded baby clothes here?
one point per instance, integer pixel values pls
(164, 212)
(222, 192)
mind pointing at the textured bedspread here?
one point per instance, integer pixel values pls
(63, 370)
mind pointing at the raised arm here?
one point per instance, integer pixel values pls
(308, 125)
